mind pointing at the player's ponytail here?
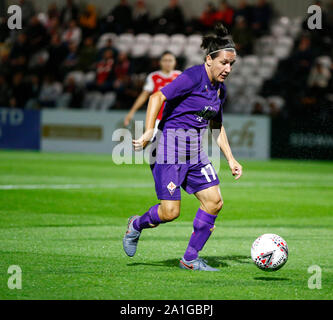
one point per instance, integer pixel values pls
(220, 40)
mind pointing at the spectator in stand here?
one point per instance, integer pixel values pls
(4, 31)
(4, 91)
(121, 72)
(19, 92)
(87, 55)
(34, 91)
(207, 19)
(88, 20)
(172, 19)
(245, 10)
(3, 11)
(53, 19)
(121, 17)
(58, 51)
(72, 34)
(72, 96)
(140, 17)
(302, 58)
(69, 12)
(108, 46)
(262, 14)
(242, 36)
(52, 11)
(36, 35)
(318, 81)
(38, 61)
(225, 14)
(104, 73)
(28, 11)
(19, 55)
(71, 61)
(50, 92)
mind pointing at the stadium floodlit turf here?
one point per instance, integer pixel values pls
(62, 219)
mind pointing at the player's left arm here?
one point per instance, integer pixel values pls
(223, 143)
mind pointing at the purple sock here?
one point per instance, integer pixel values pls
(149, 220)
(203, 226)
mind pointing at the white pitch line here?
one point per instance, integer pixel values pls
(151, 185)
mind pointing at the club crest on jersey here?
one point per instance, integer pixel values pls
(171, 187)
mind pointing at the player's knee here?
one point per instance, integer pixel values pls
(215, 206)
(170, 213)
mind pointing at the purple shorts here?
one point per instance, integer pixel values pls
(191, 177)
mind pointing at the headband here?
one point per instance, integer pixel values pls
(223, 49)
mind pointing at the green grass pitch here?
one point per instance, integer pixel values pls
(62, 219)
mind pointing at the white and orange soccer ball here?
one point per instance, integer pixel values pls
(269, 252)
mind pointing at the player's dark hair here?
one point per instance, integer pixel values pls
(221, 39)
(167, 52)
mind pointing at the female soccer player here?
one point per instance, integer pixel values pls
(154, 82)
(192, 100)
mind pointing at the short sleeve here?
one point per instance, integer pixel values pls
(149, 84)
(179, 87)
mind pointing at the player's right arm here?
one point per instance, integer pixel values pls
(139, 102)
(155, 103)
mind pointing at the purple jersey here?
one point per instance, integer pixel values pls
(191, 102)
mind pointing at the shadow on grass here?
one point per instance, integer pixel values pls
(214, 261)
(271, 279)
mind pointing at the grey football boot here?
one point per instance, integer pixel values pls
(196, 264)
(131, 238)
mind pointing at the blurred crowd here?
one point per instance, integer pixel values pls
(36, 63)
(305, 78)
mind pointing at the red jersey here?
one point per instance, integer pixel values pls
(158, 80)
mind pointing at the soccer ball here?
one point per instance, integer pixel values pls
(269, 252)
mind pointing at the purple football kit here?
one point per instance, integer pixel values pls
(192, 101)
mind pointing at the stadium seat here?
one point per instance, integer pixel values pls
(191, 50)
(178, 39)
(108, 101)
(156, 50)
(194, 40)
(251, 61)
(102, 41)
(281, 52)
(266, 72)
(258, 99)
(264, 45)
(278, 31)
(161, 39)
(195, 59)
(269, 62)
(139, 50)
(325, 61)
(176, 49)
(278, 101)
(143, 38)
(286, 41)
(125, 42)
(92, 100)
(247, 71)
(78, 76)
(236, 68)
(89, 77)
